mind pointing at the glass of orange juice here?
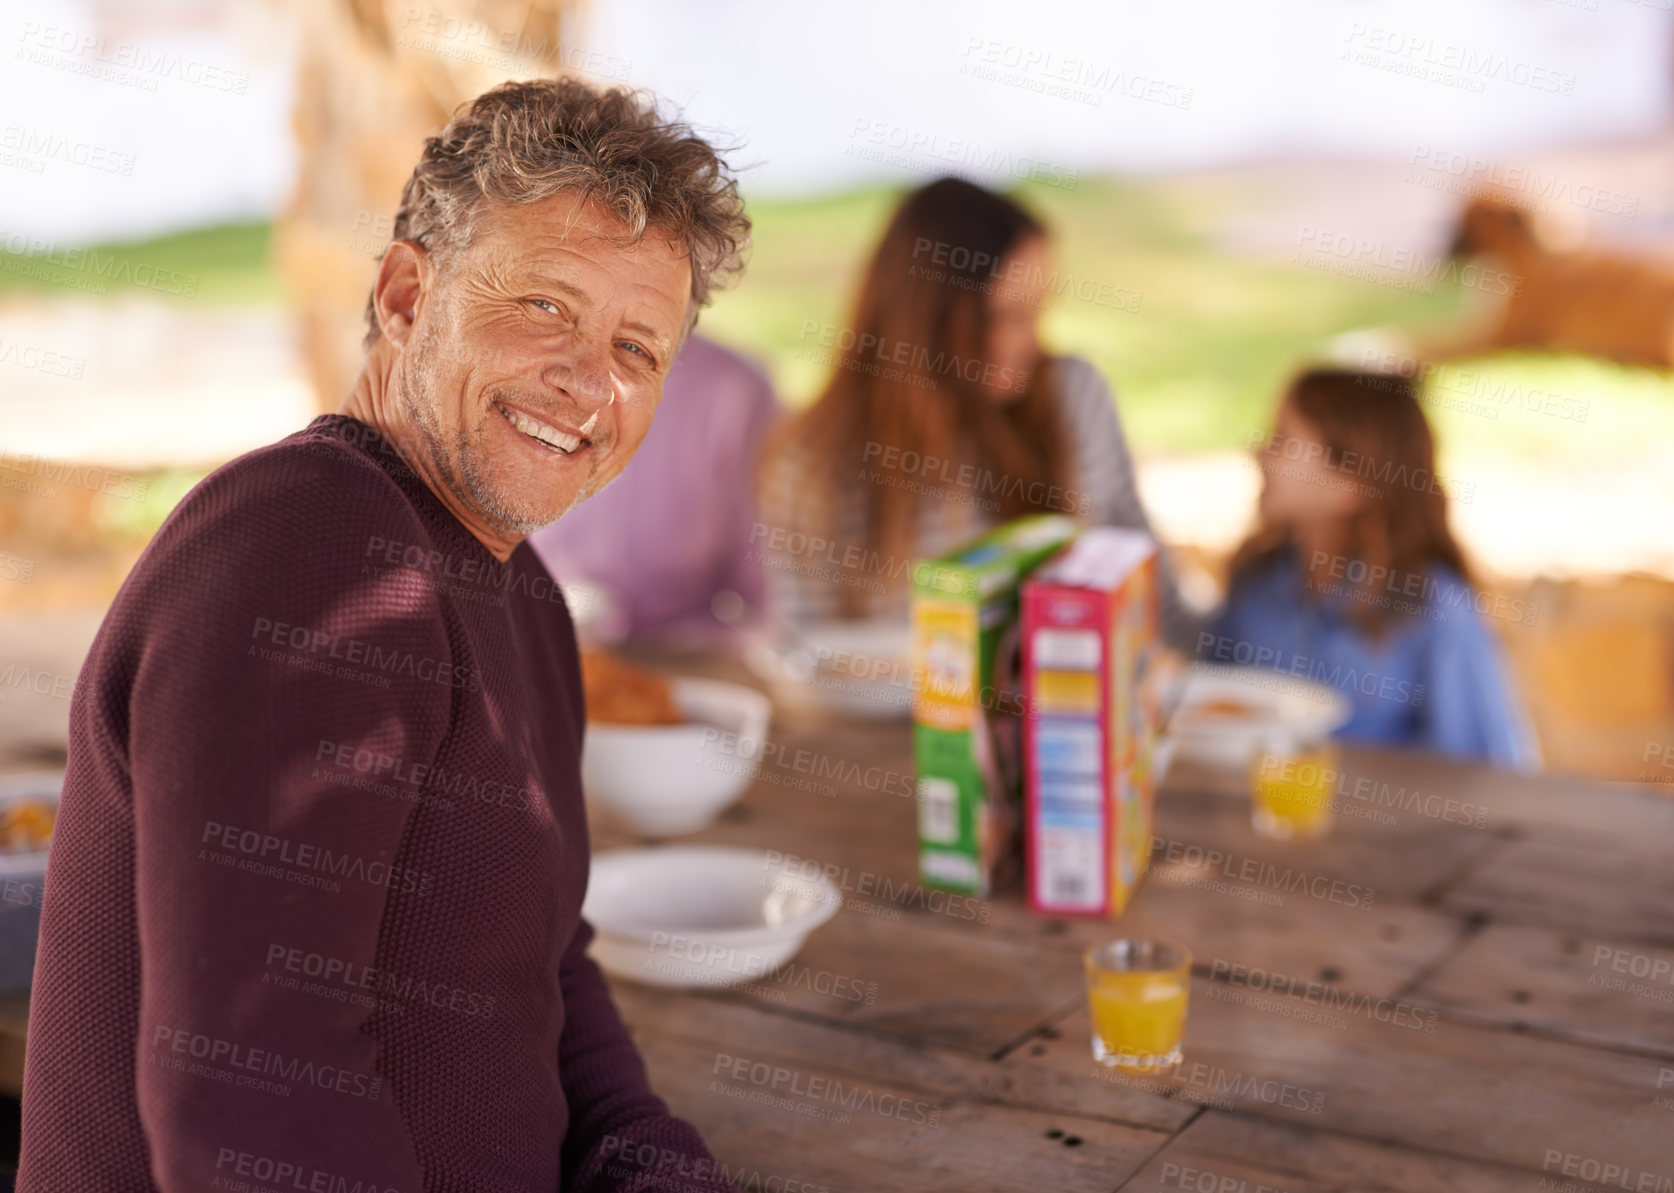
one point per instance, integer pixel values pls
(1292, 782)
(1136, 994)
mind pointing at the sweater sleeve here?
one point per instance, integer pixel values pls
(266, 645)
(1110, 495)
(621, 1136)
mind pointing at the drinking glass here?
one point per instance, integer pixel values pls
(1292, 782)
(1136, 996)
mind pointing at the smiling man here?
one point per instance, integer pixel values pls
(315, 907)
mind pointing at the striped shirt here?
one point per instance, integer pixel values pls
(803, 577)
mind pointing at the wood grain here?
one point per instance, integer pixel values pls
(1575, 986)
(841, 1113)
(720, 1020)
(1613, 893)
(1499, 1097)
(1247, 1155)
(1445, 1036)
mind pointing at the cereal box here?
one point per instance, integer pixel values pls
(1090, 630)
(967, 703)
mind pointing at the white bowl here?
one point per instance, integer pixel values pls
(670, 779)
(701, 915)
(860, 669)
(1272, 703)
(43, 785)
(22, 885)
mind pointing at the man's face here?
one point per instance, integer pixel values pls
(537, 357)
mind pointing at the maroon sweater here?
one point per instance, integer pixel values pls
(314, 918)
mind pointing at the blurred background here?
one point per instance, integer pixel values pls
(193, 195)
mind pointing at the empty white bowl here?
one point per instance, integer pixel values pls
(1207, 729)
(702, 915)
(664, 780)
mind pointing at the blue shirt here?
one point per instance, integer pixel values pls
(1435, 679)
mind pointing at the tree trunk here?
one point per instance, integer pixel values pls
(375, 77)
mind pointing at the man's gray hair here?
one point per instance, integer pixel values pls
(522, 142)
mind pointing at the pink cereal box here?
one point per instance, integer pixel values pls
(1090, 632)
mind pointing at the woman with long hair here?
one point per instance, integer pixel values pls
(1353, 577)
(943, 416)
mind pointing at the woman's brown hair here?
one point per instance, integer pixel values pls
(1375, 434)
(908, 387)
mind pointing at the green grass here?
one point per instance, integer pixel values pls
(228, 263)
(139, 519)
(1196, 367)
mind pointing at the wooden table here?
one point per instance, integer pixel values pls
(1465, 1029)
(930, 1044)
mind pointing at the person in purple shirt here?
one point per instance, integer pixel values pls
(674, 530)
(1353, 578)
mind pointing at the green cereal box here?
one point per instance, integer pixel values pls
(968, 703)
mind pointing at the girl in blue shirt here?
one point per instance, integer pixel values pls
(1353, 578)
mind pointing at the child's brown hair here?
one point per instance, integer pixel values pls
(1374, 431)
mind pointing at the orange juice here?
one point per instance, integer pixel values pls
(1291, 791)
(1136, 998)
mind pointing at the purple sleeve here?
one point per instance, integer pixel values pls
(743, 571)
(621, 1137)
(258, 627)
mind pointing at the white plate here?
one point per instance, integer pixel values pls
(1271, 702)
(702, 915)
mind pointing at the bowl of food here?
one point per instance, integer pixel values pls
(1223, 713)
(667, 754)
(860, 669)
(702, 915)
(28, 811)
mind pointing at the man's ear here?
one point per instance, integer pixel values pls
(405, 276)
